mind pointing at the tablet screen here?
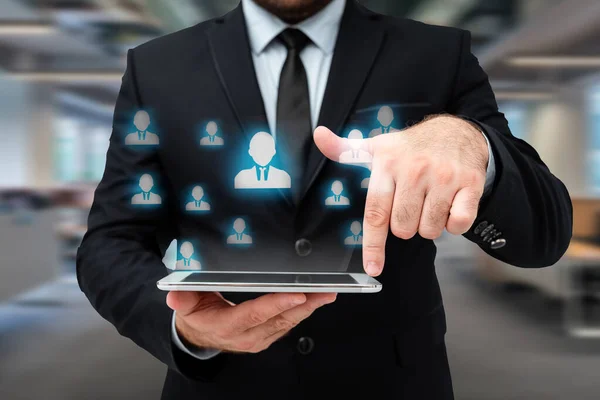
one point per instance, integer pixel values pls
(266, 278)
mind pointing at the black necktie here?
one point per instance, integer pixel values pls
(294, 130)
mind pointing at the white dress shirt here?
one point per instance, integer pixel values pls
(269, 56)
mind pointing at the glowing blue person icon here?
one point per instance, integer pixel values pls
(141, 136)
(356, 238)
(187, 262)
(356, 155)
(146, 197)
(239, 237)
(211, 138)
(385, 116)
(337, 199)
(197, 204)
(262, 175)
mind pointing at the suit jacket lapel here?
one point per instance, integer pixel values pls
(359, 40)
(232, 56)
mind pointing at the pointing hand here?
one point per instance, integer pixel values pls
(425, 178)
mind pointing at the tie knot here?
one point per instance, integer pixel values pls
(294, 39)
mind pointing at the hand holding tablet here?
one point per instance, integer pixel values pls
(207, 320)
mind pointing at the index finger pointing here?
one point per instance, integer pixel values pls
(254, 312)
(378, 207)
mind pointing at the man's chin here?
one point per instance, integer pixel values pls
(293, 11)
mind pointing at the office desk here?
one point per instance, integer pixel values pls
(583, 251)
(28, 251)
(580, 256)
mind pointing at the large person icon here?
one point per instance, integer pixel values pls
(262, 175)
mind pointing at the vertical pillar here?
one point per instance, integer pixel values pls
(14, 102)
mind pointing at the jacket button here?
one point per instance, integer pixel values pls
(487, 230)
(305, 345)
(498, 243)
(489, 236)
(303, 247)
(482, 225)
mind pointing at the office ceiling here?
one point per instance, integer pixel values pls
(107, 28)
(95, 34)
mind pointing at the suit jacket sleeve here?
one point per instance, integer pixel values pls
(529, 207)
(120, 258)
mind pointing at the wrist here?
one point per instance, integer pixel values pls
(185, 333)
(476, 132)
(482, 145)
(468, 134)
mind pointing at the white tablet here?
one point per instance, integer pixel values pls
(269, 282)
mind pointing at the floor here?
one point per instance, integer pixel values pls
(503, 344)
(53, 346)
(510, 343)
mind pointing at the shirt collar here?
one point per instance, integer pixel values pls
(322, 28)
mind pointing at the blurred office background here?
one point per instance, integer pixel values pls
(518, 334)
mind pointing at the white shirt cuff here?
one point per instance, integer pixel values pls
(490, 174)
(201, 354)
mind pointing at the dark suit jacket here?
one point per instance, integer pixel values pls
(390, 343)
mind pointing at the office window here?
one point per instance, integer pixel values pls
(68, 165)
(97, 139)
(594, 139)
(79, 150)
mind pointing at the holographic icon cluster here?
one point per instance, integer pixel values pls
(261, 175)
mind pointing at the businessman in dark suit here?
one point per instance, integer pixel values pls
(292, 68)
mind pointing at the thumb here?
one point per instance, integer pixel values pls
(186, 303)
(344, 150)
